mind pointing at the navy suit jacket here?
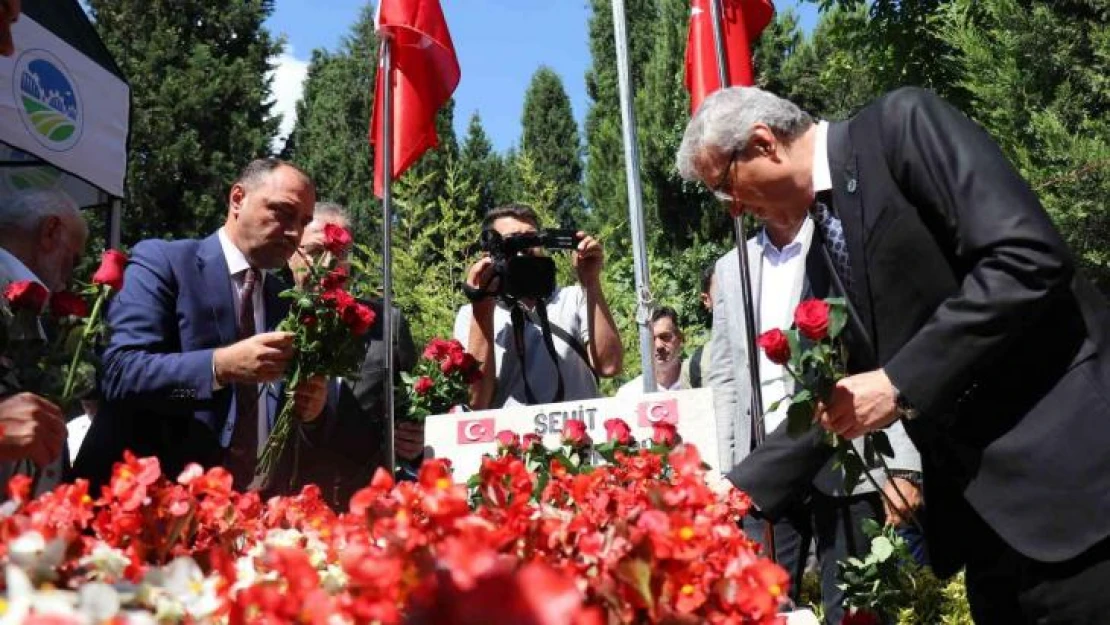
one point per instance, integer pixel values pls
(176, 307)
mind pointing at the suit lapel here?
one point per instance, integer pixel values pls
(847, 204)
(221, 296)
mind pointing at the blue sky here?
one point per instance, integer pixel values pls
(500, 44)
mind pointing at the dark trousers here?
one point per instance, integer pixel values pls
(834, 524)
(1007, 588)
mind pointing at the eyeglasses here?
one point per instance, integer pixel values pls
(721, 190)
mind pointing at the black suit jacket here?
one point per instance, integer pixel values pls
(979, 319)
(351, 443)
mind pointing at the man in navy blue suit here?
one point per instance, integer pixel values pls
(192, 368)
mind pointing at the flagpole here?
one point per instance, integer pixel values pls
(759, 427)
(387, 244)
(644, 302)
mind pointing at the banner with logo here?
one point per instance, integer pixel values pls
(465, 437)
(60, 106)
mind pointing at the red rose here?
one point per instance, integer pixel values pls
(812, 319)
(337, 239)
(574, 432)
(664, 434)
(857, 616)
(471, 369)
(531, 440)
(308, 321)
(110, 272)
(436, 349)
(68, 304)
(358, 317)
(617, 430)
(423, 385)
(336, 279)
(26, 295)
(775, 345)
(338, 299)
(508, 439)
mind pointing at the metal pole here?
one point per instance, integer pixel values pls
(115, 219)
(635, 197)
(759, 428)
(387, 245)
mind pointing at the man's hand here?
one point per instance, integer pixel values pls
(588, 259)
(32, 428)
(309, 398)
(409, 439)
(260, 358)
(901, 498)
(480, 276)
(860, 404)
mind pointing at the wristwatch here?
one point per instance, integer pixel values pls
(902, 404)
(911, 476)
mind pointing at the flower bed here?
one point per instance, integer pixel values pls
(641, 540)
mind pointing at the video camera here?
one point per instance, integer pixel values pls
(523, 275)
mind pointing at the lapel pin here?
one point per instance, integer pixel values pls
(851, 185)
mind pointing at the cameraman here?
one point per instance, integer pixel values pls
(583, 333)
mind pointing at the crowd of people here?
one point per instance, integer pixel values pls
(972, 341)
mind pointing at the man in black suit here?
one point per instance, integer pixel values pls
(970, 325)
(351, 445)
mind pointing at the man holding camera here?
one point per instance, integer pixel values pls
(535, 347)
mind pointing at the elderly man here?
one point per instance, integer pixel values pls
(351, 446)
(42, 235)
(191, 368)
(969, 324)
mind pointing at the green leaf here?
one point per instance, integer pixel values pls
(637, 574)
(882, 548)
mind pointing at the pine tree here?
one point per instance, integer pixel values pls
(1036, 75)
(605, 187)
(330, 137)
(201, 105)
(483, 168)
(550, 138)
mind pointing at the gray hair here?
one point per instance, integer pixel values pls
(331, 209)
(724, 123)
(23, 211)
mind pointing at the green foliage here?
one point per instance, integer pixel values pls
(550, 139)
(329, 139)
(889, 581)
(484, 169)
(201, 104)
(1037, 78)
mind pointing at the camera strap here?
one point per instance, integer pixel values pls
(517, 316)
(565, 336)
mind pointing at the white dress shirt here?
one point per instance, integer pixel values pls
(781, 268)
(237, 266)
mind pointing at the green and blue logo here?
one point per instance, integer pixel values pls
(50, 106)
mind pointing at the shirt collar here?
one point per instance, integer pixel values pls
(822, 176)
(797, 246)
(16, 270)
(236, 261)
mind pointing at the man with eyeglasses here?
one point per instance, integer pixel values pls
(969, 324)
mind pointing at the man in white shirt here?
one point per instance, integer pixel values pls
(786, 269)
(584, 335)
(667, 357)
(42, 236)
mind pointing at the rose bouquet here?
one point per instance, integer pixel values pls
(440, 381)
(813, 354)
(59, 361)
(327, 323)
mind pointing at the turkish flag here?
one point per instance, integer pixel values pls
(425, 74)
(742, 22)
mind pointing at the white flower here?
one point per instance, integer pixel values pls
(105, 563)
(98, 601)
(38, 558)
(284, 538)
(333, 579)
